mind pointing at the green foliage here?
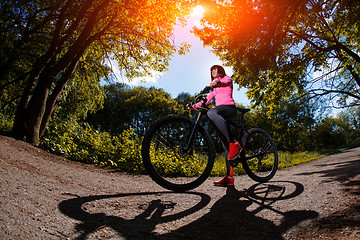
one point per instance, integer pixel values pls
(135, 108)
(220, 167)
(81, 96)
(44, 43)
(287, 159)
(6, 122)
(349, 122)
(82, 143)
(169, 163)
(292, 128)
(276, 46)
(289, 125)
(184, 98)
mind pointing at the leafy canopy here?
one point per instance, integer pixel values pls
(44, 43)
(276, 46)
(132, 108)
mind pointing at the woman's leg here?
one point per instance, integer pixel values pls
(218, 116)
(229, 170)
(228, 179)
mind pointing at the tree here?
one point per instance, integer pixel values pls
(329, 133)
(349, 123)
(184, 98)
(82, 95)
(135, 108)
(281, 48)
(42, 43)
(290, 126)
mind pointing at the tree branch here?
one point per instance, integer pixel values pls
(328, 91)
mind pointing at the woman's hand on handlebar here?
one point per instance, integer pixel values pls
(189, 107)
(193, 106)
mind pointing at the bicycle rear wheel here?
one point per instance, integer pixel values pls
(259, 155)
(167, 161)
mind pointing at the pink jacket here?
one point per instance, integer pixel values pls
(222, 93)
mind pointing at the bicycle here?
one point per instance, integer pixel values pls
(178, 152)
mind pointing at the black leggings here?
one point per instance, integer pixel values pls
(219, 116)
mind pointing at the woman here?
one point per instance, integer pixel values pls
(225, 109)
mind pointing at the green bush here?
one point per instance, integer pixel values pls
(82, 143)
(169, 163)
(220, 167)
(6, 122)
(123, 152)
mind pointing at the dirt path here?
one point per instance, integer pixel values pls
(48, 197)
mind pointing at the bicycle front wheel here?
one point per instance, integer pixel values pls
(166, 158)
(259, 155)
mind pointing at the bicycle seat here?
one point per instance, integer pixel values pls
(242, 110)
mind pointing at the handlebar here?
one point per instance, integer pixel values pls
(200, 96)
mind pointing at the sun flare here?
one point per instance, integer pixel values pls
(198, 11)
(196, 15)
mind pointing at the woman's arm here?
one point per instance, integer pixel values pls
(221, 82)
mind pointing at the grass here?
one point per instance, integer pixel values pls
(287, 159)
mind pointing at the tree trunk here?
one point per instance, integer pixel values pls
(21, 113)
(50, 105)
(36, 107)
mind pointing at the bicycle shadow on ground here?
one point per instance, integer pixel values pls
(235, 215)
(228, 218)
(140, 227)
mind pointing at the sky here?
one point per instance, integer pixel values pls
(191, 72)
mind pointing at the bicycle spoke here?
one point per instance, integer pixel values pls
(165, 142)
(268, 146)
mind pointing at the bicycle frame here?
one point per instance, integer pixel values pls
(241, 129)
(196, 120)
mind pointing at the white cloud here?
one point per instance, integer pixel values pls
(119, 77)
(149, 80)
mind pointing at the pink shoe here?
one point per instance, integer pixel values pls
(225, 181)
(234, 150)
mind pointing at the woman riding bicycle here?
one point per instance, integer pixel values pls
(225, 109)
